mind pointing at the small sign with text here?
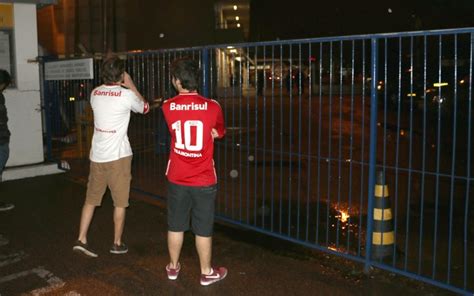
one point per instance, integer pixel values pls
(69, 69)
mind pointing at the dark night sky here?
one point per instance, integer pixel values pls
(190, 22)
(283, 19)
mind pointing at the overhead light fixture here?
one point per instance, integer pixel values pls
(238, 25)
(235, 7)
(237, 18)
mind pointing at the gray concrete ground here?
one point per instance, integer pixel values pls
(43, 226)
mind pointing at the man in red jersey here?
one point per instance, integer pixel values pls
(194, 122)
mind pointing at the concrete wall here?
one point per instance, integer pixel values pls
(23, 102)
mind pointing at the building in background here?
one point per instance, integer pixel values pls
(99, 26)
(18, 52)
(82, 26)
(232, 21)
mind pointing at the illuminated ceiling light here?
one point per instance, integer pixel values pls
(238, 25)
(441, 84)
(230, 47)
(237, 18)
(235, 7)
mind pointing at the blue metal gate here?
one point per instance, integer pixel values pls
(311, 124)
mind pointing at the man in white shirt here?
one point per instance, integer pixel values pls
(111, 153)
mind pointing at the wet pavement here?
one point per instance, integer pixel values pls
(43, 226)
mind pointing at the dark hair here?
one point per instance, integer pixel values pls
(112, 70)
(187, 71)
(5, 79)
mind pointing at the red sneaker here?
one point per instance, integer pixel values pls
(217, 274)
(173, 272)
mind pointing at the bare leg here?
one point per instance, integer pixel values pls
(119, 222)
(204, 249)
(86, 218)
(175, 242)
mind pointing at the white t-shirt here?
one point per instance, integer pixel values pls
(111, 105)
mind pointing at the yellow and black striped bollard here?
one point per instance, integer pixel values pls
(382, 234)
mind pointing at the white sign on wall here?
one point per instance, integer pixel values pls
(69, 70)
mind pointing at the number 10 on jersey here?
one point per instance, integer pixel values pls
(185, 131)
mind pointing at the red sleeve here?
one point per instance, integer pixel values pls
(220, 126)
(146, 108)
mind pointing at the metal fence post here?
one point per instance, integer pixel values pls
(372, 151)
(45, 103)
(205, 67)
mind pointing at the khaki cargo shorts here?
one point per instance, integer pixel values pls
(116, 175)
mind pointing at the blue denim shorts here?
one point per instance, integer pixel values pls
(191, 204)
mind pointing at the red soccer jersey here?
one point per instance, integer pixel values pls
(191, 118)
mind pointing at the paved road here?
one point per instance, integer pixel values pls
(39, 259)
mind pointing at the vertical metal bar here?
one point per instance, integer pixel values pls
(300, 112)
(264, 136)
(104, 26)
(453, 159)
(240, 134)
(397, 146)
(248, 142)
(438, 156)
(372, 151)
(215, 81)
(468, 172)
(232, 161)
(205, 72)
(320, 95)
(48, 118)
(281, 146)
(308, 152)
(272, 177)
(154, 94)
(384, 149)
(255, 148)
(423, 164)
(290, 139)
(351, 145)
(329, 159)
(224, 84)
(167, 66)
(226, 110)
(339, 161)
(148, 87)
(362, 138)
(410, 159)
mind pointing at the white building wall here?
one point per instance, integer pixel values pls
(23, 102)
